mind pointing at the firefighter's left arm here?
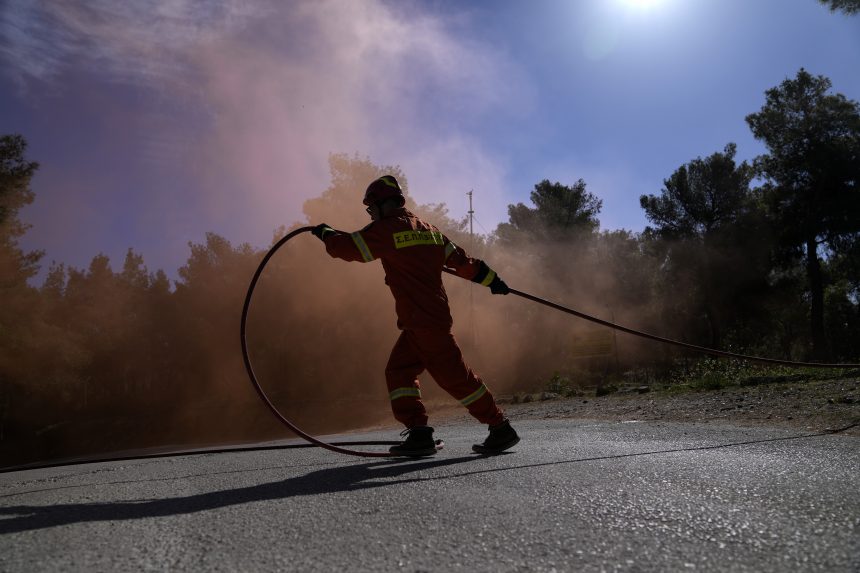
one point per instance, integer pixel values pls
(471, 269)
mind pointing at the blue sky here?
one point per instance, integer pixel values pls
(155, 122)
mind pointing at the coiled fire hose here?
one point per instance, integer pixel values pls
(337, 446)
(302, 434)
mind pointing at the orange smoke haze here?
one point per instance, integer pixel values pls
(273, 93)
(355, 77)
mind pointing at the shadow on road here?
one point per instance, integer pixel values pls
(19, 518)
(357, 477)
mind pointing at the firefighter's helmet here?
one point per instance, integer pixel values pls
(386, 187)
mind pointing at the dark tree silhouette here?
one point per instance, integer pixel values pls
(812, 172)
(846, 6)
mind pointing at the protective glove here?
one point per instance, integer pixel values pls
(498, 286)
(321, 230)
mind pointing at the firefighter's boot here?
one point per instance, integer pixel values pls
(502, 436)
(418, 443)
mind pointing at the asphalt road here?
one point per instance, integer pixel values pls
(573, 496)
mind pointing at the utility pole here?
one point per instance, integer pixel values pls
(471, 216)
(472, 253)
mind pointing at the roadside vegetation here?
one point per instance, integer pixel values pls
(702, 375)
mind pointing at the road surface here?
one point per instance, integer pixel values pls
(573, 496)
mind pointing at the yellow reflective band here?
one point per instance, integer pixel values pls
(404, 393)
(449, 249)
(413, 238)
(474, 395)
(362, 246)
(489, 278)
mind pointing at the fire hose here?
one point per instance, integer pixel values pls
(299, 432)
(337, 447)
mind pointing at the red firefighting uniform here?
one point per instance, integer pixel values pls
(413, 253)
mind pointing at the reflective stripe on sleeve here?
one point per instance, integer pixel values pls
(484, 276)
(362, 246)
(404, 392)
(474, 395)
(449, 249)
(489, 278)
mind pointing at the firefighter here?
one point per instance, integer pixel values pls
(413, 254)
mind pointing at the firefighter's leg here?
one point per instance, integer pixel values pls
(404, 365)
(444, 361)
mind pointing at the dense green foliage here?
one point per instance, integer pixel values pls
(560, 212)
(762, 259)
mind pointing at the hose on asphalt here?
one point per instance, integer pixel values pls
(342, 450)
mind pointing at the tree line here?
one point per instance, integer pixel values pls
(761, 257)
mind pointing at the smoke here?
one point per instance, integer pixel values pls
(233, 108)
(363, 82)
(245, 105)
(122, 348)
(519, 345)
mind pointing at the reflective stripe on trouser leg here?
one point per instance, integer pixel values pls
(404, 365)
(441, 356)
(408, 392)
(474, 396)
